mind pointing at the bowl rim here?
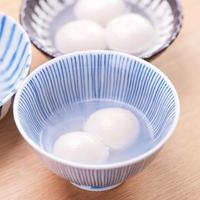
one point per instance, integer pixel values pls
(178, 23)
(29, 50)
(92, 166)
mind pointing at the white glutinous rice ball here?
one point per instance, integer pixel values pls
(79, 147)
(130, 33)
(116, 127)
(80, 35)
(101, 11)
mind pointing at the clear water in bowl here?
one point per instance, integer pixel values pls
(73, 117)
(67, 15)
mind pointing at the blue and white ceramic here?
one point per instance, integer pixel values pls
(41, 19)
(94, 75)
(15, 59)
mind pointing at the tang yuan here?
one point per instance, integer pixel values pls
(80, 35)
(100, 11)
(116, 127)
(130, 33)
(79, 147)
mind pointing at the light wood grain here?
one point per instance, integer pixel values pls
(174, 175)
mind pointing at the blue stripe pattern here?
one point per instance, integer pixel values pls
(15, 58)
(96, 75)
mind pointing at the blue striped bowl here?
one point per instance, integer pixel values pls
(15, 59)
(90, 75)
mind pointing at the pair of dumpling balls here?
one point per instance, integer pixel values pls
(130, 33)
(105, 130)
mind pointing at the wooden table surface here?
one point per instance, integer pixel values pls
(173, 175)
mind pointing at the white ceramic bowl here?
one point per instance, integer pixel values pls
(15, 59)
(100, 75)
(42, 19)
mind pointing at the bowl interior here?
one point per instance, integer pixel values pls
(15, 56)
(103, 76)
(42, 22)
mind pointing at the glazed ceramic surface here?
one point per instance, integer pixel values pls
(100, 75)
(15, 59)
(42, 19)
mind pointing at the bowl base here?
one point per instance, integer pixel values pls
(95, 189)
